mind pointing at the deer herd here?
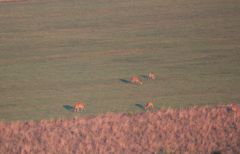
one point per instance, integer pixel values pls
(79, 106)
(136, 80)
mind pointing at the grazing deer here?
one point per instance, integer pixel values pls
(235, 108)
(136, 80)
(79, 107)
(148, 106)
(151, 76)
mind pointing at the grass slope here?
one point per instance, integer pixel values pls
(53, 53)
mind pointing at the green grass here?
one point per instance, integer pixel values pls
(53, 53)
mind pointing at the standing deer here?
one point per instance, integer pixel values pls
(148, 106)
(151, 76)
(136, 80)
(79, 107)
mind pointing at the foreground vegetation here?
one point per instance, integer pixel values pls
(54, 53)
(196, 130)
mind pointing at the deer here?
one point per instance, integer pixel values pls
(148, 105)
(235, 109)
(136, 80)
(78, 106)
(151, 76)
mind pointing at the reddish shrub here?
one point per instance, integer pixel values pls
(195, 130)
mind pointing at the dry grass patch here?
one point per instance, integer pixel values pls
(195, 130)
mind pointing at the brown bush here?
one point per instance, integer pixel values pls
(195, 130)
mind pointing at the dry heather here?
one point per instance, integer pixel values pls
(195, 130)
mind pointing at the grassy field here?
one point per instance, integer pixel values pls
(54, 53)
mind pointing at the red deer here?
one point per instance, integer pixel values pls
(234, 107)
(148, 106)
(79, 107)
(136, 80)
(151, 76)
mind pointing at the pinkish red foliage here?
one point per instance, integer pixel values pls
(195, 130)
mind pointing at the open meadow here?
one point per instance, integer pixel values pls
(54, 53)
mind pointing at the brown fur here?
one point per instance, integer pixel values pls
(151, 76)
(234, 107)
(148, 106)
(79, 107)
(136, 80)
